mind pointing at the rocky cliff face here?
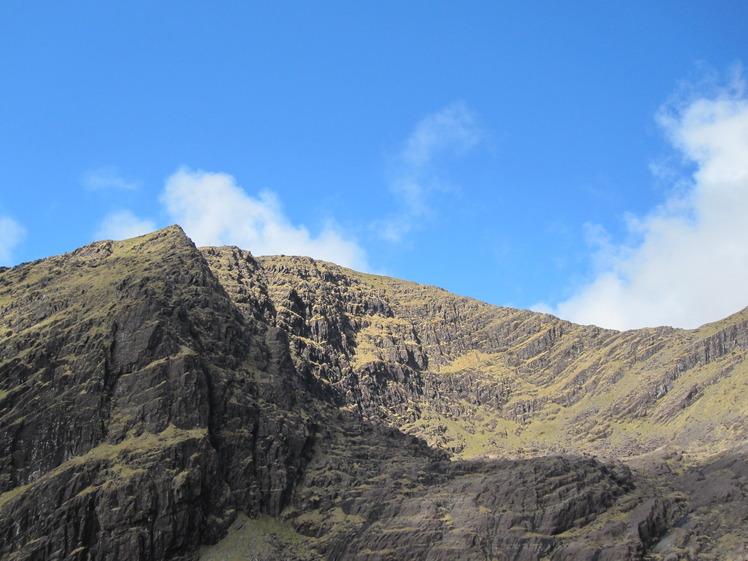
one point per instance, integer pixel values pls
(129, 381)
(156, 399)
(483, 381)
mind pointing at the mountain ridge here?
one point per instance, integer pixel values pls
(513, 342)
(156, 396)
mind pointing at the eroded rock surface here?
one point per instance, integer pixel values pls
(154, 396)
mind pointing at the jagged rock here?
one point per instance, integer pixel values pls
(450, 360)
(153, 394)
(123, 343)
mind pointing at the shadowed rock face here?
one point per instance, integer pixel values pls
(151, 392)
(130, 382)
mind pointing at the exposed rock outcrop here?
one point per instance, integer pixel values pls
(154, 397)
(129, 383)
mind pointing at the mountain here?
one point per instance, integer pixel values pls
(164, 402)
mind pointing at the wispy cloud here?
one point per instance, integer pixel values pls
(691, 260)
(214, 210)
(123, 224)
(11, 234)
(449, 132)
(106, 178)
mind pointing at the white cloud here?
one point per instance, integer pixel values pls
(691, 263)
(123, 224)
(106, 178)
(11, 234)
(452, 129)
(214, 210)
(449, 132)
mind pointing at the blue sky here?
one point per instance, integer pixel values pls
(582, 158)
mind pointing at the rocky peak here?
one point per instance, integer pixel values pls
(154, 397)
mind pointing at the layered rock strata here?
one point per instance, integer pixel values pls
(156, 398)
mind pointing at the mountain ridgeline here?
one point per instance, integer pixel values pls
(160, 401)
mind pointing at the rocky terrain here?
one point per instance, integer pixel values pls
(164, 402)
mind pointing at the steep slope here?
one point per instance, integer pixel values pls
(480, 380)
(485, 382)
(154, 397)
(128, 380)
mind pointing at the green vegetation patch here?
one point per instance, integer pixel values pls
(260, 538)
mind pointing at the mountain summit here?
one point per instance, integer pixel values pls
(160, 401)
